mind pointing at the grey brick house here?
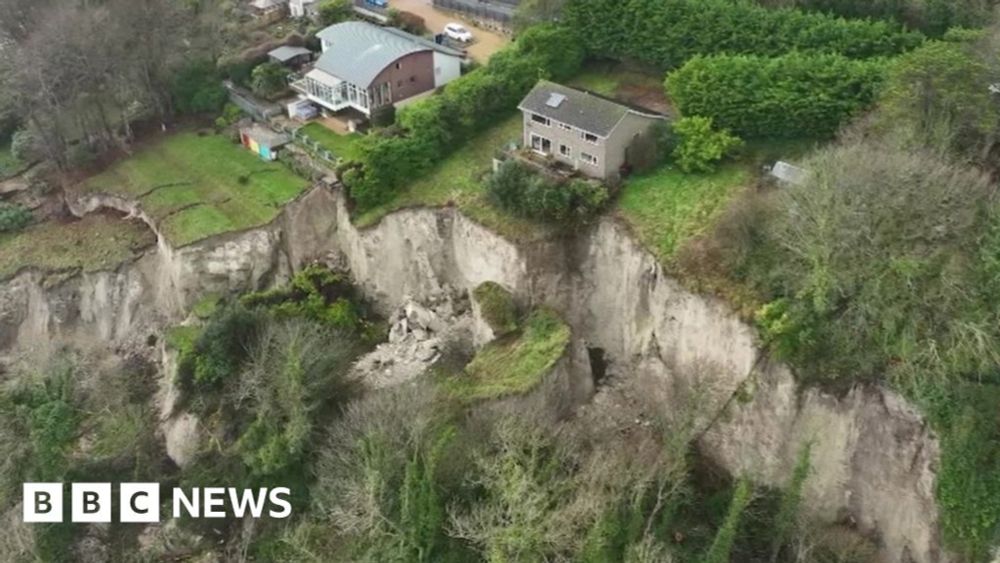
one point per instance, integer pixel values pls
(583, 130)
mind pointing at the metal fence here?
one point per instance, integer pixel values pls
(499, 12)
(300, 137)
(244, 100)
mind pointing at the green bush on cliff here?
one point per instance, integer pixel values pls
(497, 307)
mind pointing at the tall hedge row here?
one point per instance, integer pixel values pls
(428, 130)
(667, 33)
(795, 95)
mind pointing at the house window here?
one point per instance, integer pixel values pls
(565, 151)
(588, 158)
(541, 119)
(413, 79)
(565, 127)
(540, 144)
(590, 138)
(399, 65)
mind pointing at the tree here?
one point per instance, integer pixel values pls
(939, 95)
(335, 11)
(699, 145)
(197, 89)
(725, 537)
(269, 80)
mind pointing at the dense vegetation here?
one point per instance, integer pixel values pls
(524, 192)
(794, 95)
(931, 16)
(667, 33)
(881, 266)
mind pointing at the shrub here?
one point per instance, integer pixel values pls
(521, 191)
(700, 146)
(197, 89)
(221, 348)
(231, 113)
(789, 96)
(497, 307)
(335, 11)
(13, 217)
(667, 33)
(407, 21)
(25, 146)
(269, 80)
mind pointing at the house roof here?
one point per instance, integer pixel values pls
(265, 136)
(359, 51)
(584, 110)
(286, 53)
(789, 173)
(265, 4)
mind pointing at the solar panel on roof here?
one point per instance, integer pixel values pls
(555, 99)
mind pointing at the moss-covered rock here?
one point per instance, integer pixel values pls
(496, 306)
(515, 364)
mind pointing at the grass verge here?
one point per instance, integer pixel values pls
(515, 364)
(199, 186)
(96, 242)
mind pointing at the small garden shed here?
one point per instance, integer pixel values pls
(263, 141)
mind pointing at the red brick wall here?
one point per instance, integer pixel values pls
(414, 75)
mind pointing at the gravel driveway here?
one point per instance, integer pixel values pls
(485, 42)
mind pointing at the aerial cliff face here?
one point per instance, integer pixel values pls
(873, 456)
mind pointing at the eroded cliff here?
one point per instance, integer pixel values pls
(873, 456)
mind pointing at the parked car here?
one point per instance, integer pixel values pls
(458, 32)
(378, 3)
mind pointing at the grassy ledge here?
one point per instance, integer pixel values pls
(96, 242)
(515, 364)
(197, 186)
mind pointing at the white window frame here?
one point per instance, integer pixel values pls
(547, 122)
(584, 134)
(568, 153)
(565, 127)
(588, 158)
(540, 144)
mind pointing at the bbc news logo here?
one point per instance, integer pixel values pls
(140, 502)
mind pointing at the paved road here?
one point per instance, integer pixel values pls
(486, 42)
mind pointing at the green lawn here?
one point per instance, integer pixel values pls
(96, 242)
(342, 146)
(667, 207)
(458, 181)
(191, 185)
(644, 89)
(514, 364)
